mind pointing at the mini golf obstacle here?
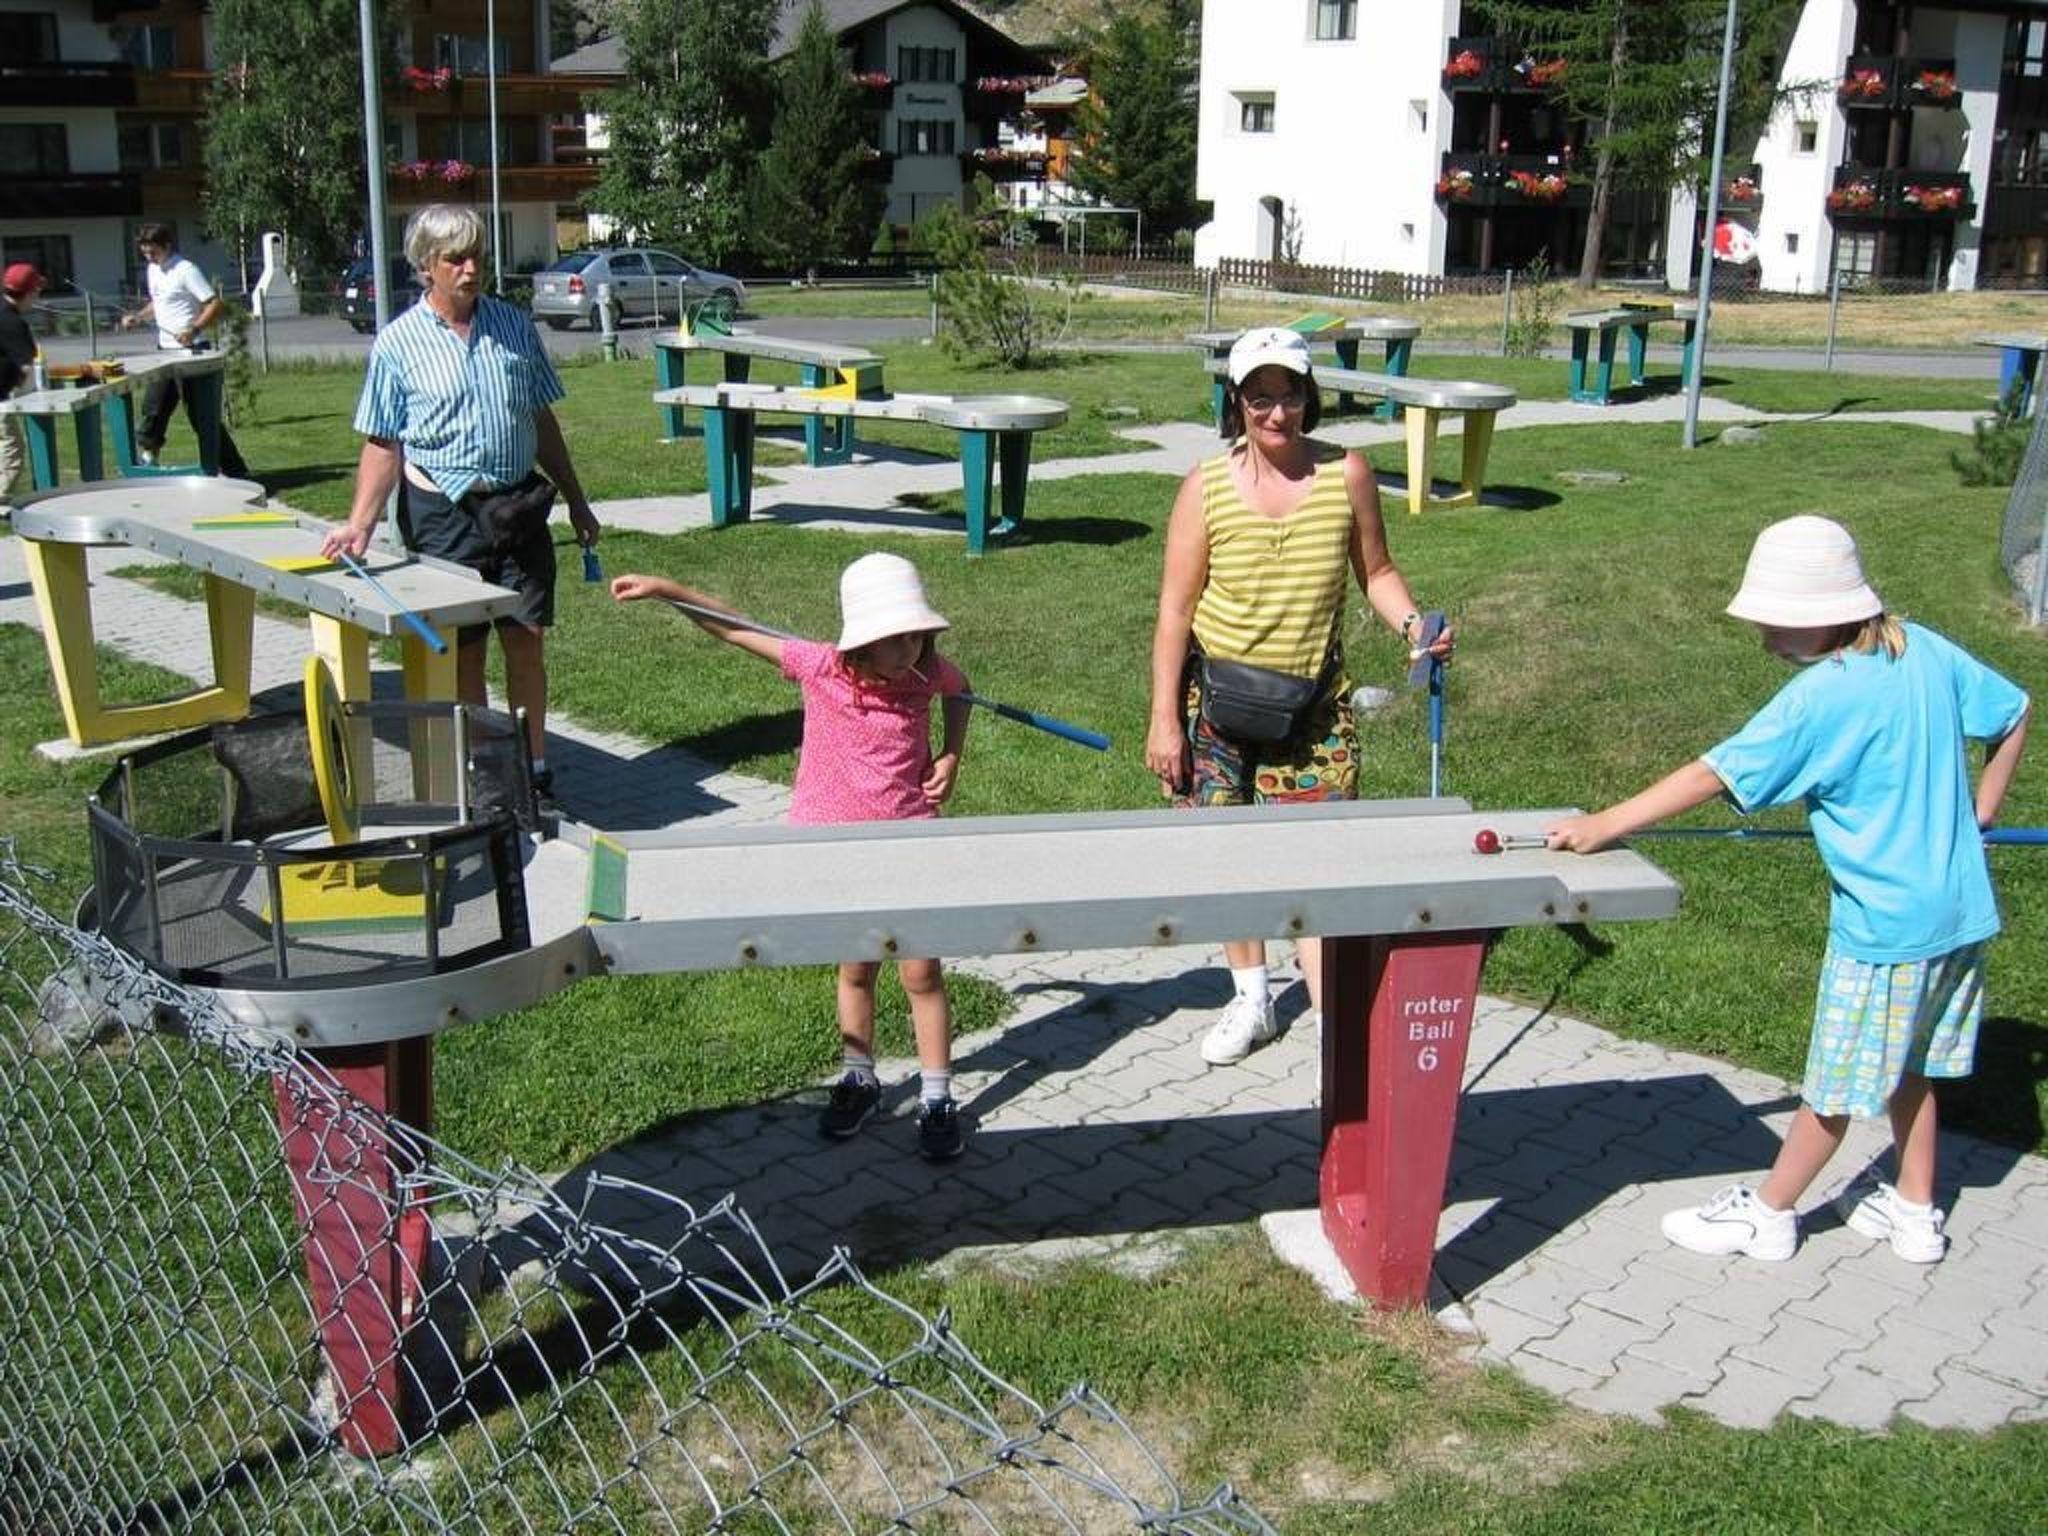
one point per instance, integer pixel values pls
(495, 920)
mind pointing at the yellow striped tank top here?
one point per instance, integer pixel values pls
(1276, 585)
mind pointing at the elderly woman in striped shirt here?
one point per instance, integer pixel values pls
(456, 416)
(1250, 703)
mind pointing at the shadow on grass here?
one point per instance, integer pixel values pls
(278, 480)
(1104, 532)
(1511, 498)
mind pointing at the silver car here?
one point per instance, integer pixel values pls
(643, 282)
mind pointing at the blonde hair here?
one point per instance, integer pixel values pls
(1881, 631)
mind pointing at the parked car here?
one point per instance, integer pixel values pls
(359, 293)
(566, 292)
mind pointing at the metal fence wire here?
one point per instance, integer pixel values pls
(2023, 538)
(169, 1336)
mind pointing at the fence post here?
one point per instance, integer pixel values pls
(1834, 313)
(1507, 309)
(1209, 285)
(606, 323)
(935, 306)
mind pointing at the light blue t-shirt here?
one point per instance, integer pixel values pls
(1875, 748)
(462, 407)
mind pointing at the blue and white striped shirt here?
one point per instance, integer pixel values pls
(463, 410)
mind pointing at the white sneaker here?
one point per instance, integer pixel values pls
(1244, 1023)
(1735, 1221)
(1914, 1230)
(145, 456)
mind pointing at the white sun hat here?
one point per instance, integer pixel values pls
(1804, 573)
(1268, 346)
(882, 595)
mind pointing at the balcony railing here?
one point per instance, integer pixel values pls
(1891, 83)
(438, 92)
(1496, 64)
(1863, 192)
(1510, 181)
(439, 180)
(70, 196)
(1004, 164)
(173, 90)
(97, 84)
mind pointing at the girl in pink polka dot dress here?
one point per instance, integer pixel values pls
(867, 756)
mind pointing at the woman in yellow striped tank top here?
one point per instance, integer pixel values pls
(1262, 546)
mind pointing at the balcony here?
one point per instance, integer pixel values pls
(999, 164)
(1888, 83)
(173, 90)
(425, 181)
(443, 93)
(1510, 181)
(99, 84)
(70, 196)
(1743, 191)
(1864, 193)
(1496, 64)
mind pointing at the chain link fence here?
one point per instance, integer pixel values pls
(2023, 538)
(191, 1219)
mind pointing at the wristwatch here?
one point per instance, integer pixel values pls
(1410, 625)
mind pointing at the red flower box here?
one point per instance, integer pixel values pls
(1465, 65)
(1936, 84)
(1933, 199)
(1862, 85)
(1538, 187)
(1856, 197)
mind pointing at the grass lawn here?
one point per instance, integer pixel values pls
(1593, 656)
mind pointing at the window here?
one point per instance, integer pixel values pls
(28, 37)
(1255, 114)
(1791, 242)
(48, 254)
(1855, 257)
(467, 55)
(1418, 116)
(150, 47)
(1336, 20)
(666, 265)
(626, 264)
(464, 138)
(151, 146)
(1806, 136)
(924, 135)
(2026, 48)
(933, 65)
(34, 149)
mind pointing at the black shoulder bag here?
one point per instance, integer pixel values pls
(514, 517)
(1256, 704)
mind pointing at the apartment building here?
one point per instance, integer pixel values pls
(1407, 138)
(102, 102)
(938, 84)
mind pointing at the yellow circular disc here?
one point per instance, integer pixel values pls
(333, 766)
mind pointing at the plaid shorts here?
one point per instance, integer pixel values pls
(1874, 1022)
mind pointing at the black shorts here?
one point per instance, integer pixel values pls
(432, 525)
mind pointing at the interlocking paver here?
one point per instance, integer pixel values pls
(1099, 1134)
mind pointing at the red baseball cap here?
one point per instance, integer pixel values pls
(21, 277)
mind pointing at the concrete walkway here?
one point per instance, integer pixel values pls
(1097, 1132)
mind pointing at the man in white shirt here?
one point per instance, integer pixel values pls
(184, 306)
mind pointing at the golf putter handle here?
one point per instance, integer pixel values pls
(1423, 666)
(1047, 723)
(418, 625)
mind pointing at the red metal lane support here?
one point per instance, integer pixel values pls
(1397, 1019)
(366, 1235)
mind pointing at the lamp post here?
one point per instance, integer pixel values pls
(1706, 300)
(373, 156)
(491, 77)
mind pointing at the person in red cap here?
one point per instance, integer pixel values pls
(21, 283)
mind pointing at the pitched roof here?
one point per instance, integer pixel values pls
(606, 56)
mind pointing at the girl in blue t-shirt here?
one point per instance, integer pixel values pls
(1869, 736)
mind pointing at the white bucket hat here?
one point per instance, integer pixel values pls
(1804, 573)
(1268, 346)
(882, 595)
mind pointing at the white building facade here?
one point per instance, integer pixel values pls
(1385, 136)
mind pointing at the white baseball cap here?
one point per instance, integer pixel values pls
(882, 595)
(1804, 573)
(1268, 346)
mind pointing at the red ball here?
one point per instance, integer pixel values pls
(1487, 840)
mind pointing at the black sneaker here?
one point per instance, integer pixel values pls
(939, 1138)
(853, 1100)
(544, 793)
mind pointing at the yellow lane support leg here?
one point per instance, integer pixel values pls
(1478, 441)
(431, 676)
(64, 605)
(1421, 448)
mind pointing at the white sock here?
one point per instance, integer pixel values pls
(1250, 981)
(858, 1064)
(540, 766)
(935, 1086)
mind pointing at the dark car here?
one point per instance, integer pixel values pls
(359, 293)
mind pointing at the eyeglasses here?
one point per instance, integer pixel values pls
(1260, 404)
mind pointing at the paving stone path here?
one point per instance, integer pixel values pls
(1098, 1132)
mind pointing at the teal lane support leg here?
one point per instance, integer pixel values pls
(92, 464)
(1015, 449)
(827, 439)
(1398, 352)
(671, 371)
(1604, 386)
(1638, 353)
(1216, 387)
(980, 453)
(1347, 357)
(121, 427)
(1579, 341)
(1685, 354)
(41, 432)
(729, 458)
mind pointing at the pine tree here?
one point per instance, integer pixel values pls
(685, 127)
(283, 135)
(1135, 135)
(811, 196)
(1644, 75)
